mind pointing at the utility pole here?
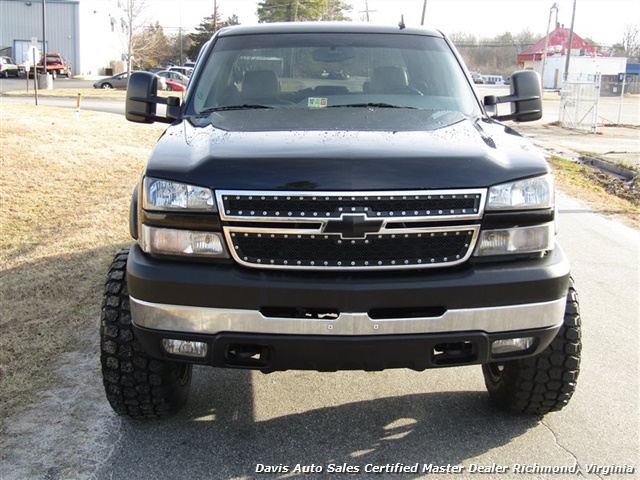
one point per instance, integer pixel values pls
(366, 10)
(566, 65)
(44, 33)
(546, 42)
(215, 15)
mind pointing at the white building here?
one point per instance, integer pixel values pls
(580, 69)
(91, 34)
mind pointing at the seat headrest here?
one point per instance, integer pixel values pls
(384, 78)
(258, 84)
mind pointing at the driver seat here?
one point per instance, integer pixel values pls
(386, 78)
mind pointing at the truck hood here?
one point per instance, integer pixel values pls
(350, 149)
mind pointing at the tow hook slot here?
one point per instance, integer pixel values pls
(453, 353)
(247, 355)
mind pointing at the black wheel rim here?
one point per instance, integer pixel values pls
(495, 371)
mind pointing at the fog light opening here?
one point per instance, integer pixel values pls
(185, 348)
(511, 345)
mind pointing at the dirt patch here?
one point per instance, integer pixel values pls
(57, 434)
(625, 189)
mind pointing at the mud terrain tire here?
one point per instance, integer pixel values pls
(136, 385)
(543, 383)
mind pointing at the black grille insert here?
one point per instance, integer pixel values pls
(325, 206)
(331, 251)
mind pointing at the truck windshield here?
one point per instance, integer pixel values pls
(311, 71)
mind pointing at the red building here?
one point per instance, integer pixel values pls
(557, 45)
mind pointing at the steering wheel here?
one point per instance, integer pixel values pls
(407, 89)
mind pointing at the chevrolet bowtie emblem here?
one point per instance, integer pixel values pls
(353, 226)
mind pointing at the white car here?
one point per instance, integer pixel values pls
(8, 67)
(175, 76)
(187, 71)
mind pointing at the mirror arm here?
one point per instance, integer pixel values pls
(155, 118)
(512, 116)
(173, 108)
(494, 100)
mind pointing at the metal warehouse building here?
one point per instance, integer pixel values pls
(88, 33)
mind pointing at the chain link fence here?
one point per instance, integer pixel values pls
(590, 101)
(579, 103)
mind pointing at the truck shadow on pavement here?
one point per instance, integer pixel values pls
(217, 434)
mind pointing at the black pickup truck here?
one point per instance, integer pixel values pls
(381, 218)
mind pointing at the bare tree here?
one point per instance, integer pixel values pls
(497, 55)
(631, 41)
(152, 47)
(134, 43)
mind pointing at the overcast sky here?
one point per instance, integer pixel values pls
(602, 21)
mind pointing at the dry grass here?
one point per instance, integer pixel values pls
(65, 186)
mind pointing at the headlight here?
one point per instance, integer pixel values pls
(538, 238)
(168, 195)
(169, 241)
(524, 194)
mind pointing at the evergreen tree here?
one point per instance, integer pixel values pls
(301, 10)
(205, 31)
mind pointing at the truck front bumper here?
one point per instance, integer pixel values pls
(285, 320)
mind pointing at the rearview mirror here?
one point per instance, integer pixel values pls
(333, 54)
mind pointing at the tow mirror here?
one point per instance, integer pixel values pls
(525, 98)
(142, 98)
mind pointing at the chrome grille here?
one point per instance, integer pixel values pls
(441, 204)
(355, 231)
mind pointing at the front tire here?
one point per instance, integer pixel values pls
(136, 385)
(546, 382)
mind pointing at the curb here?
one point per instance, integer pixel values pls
(609, 167)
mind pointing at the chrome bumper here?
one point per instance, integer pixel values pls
(176, 318)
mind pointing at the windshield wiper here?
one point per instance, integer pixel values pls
(364, 105)
(245, 106)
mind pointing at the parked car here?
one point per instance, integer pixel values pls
(54, 64)
(8, 67)
(174, 76)
(493, 79)
(173, 86)
(187, 71)
(120, 81)
(477, 78)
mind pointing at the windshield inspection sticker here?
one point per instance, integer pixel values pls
(317, 102)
